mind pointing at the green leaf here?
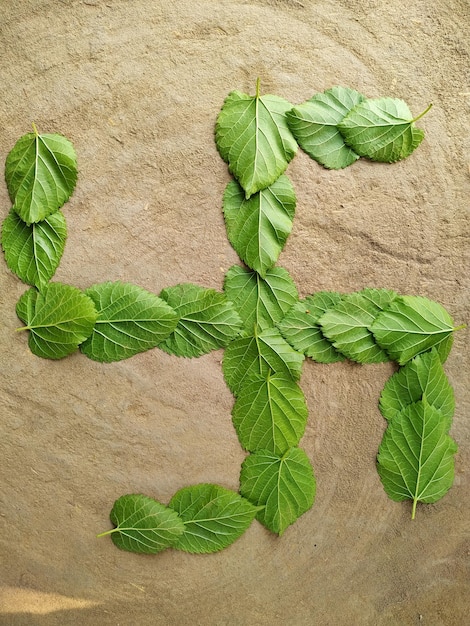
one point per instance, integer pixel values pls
(252, 136)
(59, 319)
(41, 172)
(384, 155)
(258, 228)
(248, 357)
(382, 129)
(270, 414)
(314, 125)
(143, 525)
(260, 302)
(415, 460)
(130, 320)
(284, 485)
(347, 324)
(300, 327)
(207, 320)
(33, 252)
(213, 517)
(412, 325)
(422, 377)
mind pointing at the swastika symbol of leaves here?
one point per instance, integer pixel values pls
(265, 329)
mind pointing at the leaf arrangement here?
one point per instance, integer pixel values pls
(266, 330)
(340, 125)
(198, 519)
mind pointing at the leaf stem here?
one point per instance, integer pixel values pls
(461, 327)
(258, 83)
(107, 532)
(413, 510)
(35, 129)
(18, 330)
(422, 114)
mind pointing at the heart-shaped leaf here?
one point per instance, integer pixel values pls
(143, 525)
(33, 252)
(382, 129)
(411, 325)
(213, 517)
(270, 414)
(416, 456)
(248, 357)
(41, 172)
(207, 320)
(314, 125)
(261, 303)
(59, 319)
(130, 320)
(252, 136)
(284, 485)
(258, 228)
(422, 377)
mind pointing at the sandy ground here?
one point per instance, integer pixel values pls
(137, 87)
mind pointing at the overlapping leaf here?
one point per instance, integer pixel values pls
(59, 319)
(347, 324)
(40, 172)
(411, 325)
(314, 125)
(207, 320)
(422, 377)
(260, 302)
(284, 485)
(382, 129)
(143, 525)
(213, 517)
(248, 357)
(130, 320)
(258, 227)
(270, 414)
(252, 136)
(416, 456)
(33, 252)
(300, 327)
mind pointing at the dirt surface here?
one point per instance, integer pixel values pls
(137, 87)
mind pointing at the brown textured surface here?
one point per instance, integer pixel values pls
(137, 87)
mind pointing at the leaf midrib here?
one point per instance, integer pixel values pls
(53, 324)
(385, 124)
(229, 516)
(257, 98)
(35, 255)
(131, 320)
(282, 460)
(418, 474)
(421, 332)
